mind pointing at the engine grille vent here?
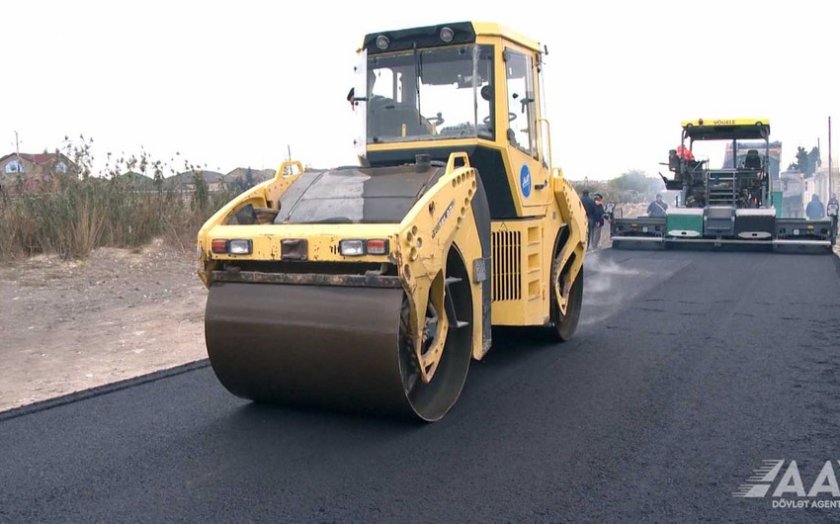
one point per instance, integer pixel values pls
(507, 255)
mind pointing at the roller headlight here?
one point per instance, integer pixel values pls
(352, 248)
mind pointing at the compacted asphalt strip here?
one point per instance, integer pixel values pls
(687, 372)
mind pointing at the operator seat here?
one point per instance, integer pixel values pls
(673, 160)
(752, 160)
(386, 118)
(511, 136)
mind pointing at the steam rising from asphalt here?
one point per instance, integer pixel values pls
(608, 286)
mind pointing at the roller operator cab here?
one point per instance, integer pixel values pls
(372, 288)
(738, 205)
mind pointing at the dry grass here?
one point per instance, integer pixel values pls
(95, 212)
(84, 212)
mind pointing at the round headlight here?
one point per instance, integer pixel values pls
(382, 42)
(446, 34)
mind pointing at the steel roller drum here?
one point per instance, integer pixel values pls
(330, 346)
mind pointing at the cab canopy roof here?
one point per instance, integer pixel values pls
(726, 128)
(431, 36)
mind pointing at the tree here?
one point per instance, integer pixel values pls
(635, 186)
(806, 162)
(814, 159)
(201, 196)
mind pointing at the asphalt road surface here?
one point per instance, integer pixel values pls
(688, 370)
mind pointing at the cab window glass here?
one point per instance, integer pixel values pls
(521, 99)
(386, 83)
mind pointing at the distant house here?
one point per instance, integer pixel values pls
(245, 177)
(818, 183)
(136, 181)
(34, 172)
(186, 181)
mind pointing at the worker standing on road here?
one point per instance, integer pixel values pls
(589, 207)
(598, 221)
(658, 207)
(815, 209)
(831, 210)
(609, 211)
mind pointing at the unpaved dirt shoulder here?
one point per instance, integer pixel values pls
(71, 325)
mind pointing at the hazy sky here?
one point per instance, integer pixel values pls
(232, 83)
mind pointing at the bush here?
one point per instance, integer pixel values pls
(87, 212)
(632, 186)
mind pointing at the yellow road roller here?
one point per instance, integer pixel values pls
(373, 287)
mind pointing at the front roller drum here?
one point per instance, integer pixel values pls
(328, 346)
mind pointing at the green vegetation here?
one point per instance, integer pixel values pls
(242, 184)
(806, 162)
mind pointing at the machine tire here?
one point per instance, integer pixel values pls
(430, 402)
(564, 326)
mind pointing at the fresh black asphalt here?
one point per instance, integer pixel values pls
(687, 371)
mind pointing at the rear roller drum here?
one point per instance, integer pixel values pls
(565, 319)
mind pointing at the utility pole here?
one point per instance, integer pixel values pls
(830, 173)
(17, 153)
(832, 207)
(816, 166)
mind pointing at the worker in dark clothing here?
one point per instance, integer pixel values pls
(815, 209)
(588, 203)
(589, 207)
(598, 222)
(658, 207)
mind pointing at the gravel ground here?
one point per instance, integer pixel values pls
(72, 325)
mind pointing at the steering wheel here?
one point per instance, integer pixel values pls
(435, 120)
(511, 118)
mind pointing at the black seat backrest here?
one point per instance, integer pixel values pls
(752, 161)
(386, 118)
(511, 136)
(673, 160)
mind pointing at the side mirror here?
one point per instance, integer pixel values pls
(525, 101)
(353, 99)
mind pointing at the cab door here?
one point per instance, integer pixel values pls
(522, 134)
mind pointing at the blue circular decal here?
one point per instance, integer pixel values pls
(525, 180)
